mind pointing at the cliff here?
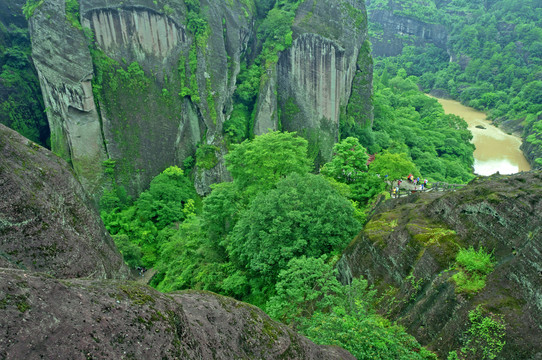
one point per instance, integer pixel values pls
(46, 222)
(156, 84)
(393, 27)
(408, 251)
(314, 78)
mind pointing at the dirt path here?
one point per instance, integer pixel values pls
(147, 276)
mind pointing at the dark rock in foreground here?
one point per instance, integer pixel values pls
(46, 222)
(89, 319)
(408, 251)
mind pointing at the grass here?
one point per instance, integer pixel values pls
(473, 267)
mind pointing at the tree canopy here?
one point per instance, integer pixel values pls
(396, 166)
(303, 215)
(349, 160)
(257, 165)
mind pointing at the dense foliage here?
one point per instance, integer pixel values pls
(303, 215)
(257, 165)
(496, 52)
(409, 122)
(310, 298)
(21, 103)
(146, 223)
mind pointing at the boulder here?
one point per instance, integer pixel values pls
(43, 317)
(46, 221)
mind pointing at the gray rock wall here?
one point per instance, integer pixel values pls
(398, 31)
(151, 127)
(313, 78)
(65, 71)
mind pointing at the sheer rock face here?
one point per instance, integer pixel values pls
(46, 222)
(65, 71)
(407, 249)
(146, 129)
(49, 318)
(313, 78)
(396, 31)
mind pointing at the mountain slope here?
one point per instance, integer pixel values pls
(409, 251)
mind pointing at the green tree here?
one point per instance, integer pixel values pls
(303, 215)
(305, 286)
(353, 324)
(170, 197)
(396, 166)
(348, 162)
(257, 165)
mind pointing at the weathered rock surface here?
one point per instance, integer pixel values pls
(392, 31)
(42, 317)
(150, 127)
(62, 60)
(314, 76)
(407, 250)
(46, 222)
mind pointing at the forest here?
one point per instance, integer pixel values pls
(492, 61)
(273, 235)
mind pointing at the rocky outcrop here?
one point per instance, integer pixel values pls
(47, 318)
(161, 91)
(313, 78)
(62, 60)
(46, 223)
(391, 30)
(407, 250)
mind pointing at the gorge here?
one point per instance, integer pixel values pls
(240, 150)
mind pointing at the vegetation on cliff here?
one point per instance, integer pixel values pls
(21, 103)
(269, 236)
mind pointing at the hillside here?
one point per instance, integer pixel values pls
(410, 250)
(487, 54)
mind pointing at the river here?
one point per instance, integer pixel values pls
(495, 149)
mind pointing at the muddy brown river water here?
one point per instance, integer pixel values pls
(495, 149)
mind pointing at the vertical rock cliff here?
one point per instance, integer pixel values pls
(313, 78)
(64, 65)
(394, 26)
(142, 83)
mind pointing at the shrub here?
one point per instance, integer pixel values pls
(473, 267)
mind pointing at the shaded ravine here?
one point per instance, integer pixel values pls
(496, 151)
